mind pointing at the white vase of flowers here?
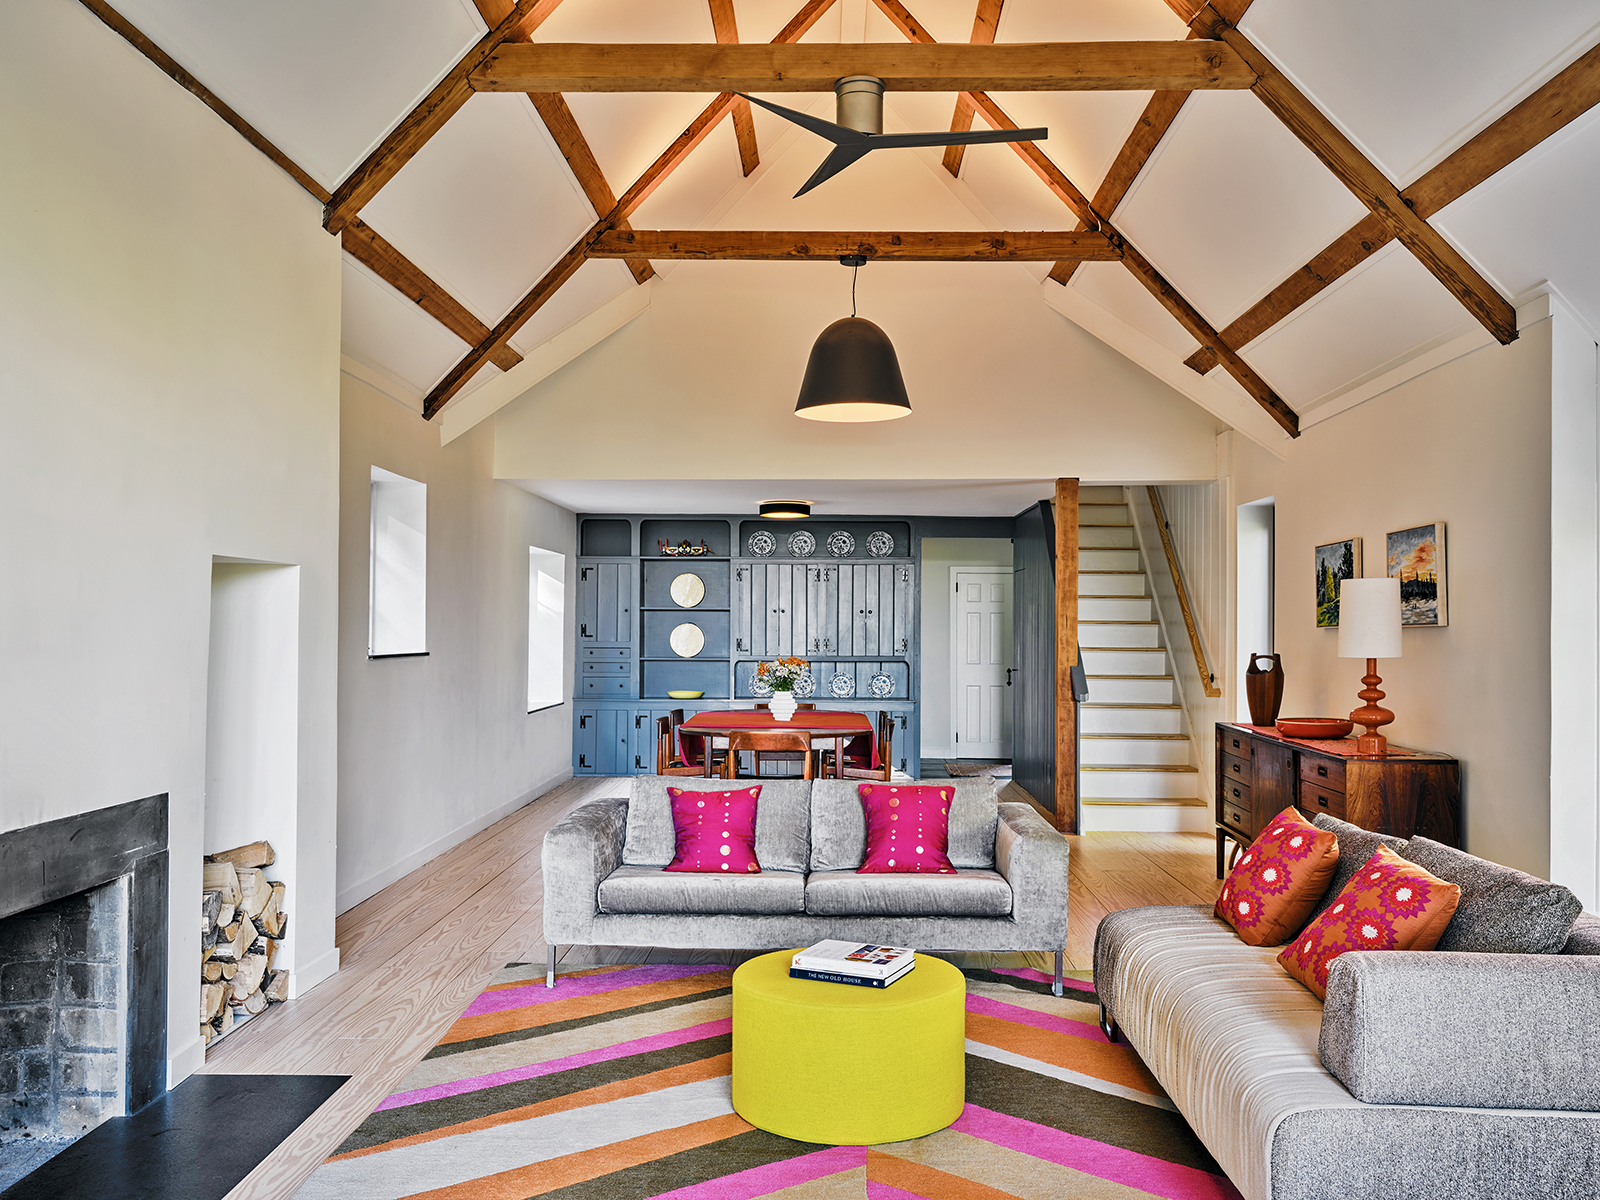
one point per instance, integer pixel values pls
(782, 674)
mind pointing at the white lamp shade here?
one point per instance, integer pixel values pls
(1369, 618)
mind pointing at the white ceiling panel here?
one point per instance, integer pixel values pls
(1231, 204)
(486, 207)
(1088, 21)
(596, 282)
(1113, 287)
(1535, 220)
(1410, 82)
(324, 82)
(629, 131)
(1376, 316)
(694, 189)
(1008, 187)
(382, 328)
(629, 21)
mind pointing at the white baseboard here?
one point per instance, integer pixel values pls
(189, 1059)
(303, 979)
(1147, 818)
(353, 895)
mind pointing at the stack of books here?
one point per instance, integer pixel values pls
(853, 963)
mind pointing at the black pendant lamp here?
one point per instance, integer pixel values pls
(853, 374)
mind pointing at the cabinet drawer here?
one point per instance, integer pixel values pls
(1322, 772)
(1236, 770)
(607, 686)
(606, 668)
(605, 653)
(1234, 742)
(1314, 800)
(1234, 807)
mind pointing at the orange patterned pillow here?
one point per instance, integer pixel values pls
(1390, 904)
(1278, 880)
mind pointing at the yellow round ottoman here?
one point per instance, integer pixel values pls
(845, 1065)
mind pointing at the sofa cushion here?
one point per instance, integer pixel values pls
(716, 831)
(907, 828)
(839, 825)
(974, 893)
(1356, 845)
(1585, 936)
(1502, 911)
(653, 890)
(1278, 880)
(783, 821)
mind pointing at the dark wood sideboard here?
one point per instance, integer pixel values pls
(1259, 774)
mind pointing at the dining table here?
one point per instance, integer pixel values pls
(821, 724)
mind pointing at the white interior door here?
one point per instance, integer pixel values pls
(982, 709)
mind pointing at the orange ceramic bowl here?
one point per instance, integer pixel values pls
(1314, 727)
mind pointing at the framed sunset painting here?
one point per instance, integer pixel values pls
(1336, 562)
(1416, 558)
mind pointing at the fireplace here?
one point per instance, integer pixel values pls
(83, 975)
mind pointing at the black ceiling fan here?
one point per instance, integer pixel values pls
(859, 129)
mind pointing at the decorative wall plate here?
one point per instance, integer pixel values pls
(842, 686)
(841, 544)
(802, 544)
(687, 640)
(806, 686)
(687, 590)
(759, 686)
(880, 685)
(761, 544)
(880, 544)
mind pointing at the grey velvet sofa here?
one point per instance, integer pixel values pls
(1458, 1074)
(604, 883)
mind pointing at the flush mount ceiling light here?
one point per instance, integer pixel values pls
(786, 510)
(853, 374)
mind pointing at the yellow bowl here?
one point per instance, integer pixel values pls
(686, 695)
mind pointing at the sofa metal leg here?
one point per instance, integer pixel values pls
(1058, 988)
(550, 967)
(1107, 1025)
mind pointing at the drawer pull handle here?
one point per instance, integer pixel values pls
(1235, 743)
(1322, 802)
(1235, 768)
(1323, 771)
(1236, 793)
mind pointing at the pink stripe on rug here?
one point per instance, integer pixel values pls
(566, 989)
(1127, 1167)
(657, 1041)
(1042, 977)
(1027, 1016)
(771, 1177)
(877, 1190)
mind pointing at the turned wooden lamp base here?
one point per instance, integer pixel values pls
(1370, 716)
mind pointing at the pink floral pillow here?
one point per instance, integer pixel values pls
(908, 829)
(716, 831)
(1390, 904)
(1278, 880)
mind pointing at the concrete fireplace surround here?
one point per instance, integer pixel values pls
(89, 946)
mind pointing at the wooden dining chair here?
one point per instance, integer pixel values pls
(857, 758)
(791, 744)
(766, 706)
(763, 706)
(667, 760)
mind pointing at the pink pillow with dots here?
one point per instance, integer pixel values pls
(716, 831)
(908, 829)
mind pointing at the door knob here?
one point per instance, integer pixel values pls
(1009, 670)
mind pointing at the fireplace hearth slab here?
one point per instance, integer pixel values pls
(176, 1148)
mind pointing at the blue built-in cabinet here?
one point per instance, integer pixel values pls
(841, 593)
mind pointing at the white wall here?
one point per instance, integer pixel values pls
(434, 748)
(940, 557)
(169, 341)
(1252, 594)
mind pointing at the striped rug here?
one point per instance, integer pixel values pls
(615, 1086)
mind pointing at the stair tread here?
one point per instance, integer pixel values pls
(1108, 573)
(1168, 678)
(1123, 704)
(1174, 768)
(1151, 802)
(1081, 621)
(1141, 737)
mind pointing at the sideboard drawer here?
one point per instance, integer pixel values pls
(1318, 799)
(1322, 772)
(602, 653)
(1235, 807)
(1234, 742)
(1236, 770)
(608, 686)
(606, 668)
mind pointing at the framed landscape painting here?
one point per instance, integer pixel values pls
(1337, 561)
(1416, 558)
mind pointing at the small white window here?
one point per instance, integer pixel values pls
(547, 628)
(398, 617)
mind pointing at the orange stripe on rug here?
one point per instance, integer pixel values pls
(925, 1181)
(1114, 1064)
(655, 1081)
(538, 1178)
(533, 1016)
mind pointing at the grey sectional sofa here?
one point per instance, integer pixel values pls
(604, 883)
(1453, 1074)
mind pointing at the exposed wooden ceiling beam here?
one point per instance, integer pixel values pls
(744, 125)
(828, 245)
(1358, 173)
(568, 264)
(984, 24)
(428, 117)
(366, 245)
(814, 67)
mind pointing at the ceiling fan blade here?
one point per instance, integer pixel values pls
(838, 159)
(837, 134)
(974, 137)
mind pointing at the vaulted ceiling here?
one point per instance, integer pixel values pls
(1398, 175)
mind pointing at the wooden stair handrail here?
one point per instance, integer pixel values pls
(1207, 679)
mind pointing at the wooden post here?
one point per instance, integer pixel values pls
(1066, 798)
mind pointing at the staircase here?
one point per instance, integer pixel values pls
(1137, 760)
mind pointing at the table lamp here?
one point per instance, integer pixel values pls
(1369, 628)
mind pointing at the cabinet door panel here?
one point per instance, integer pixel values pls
(905, 606)
(588, 607)
(845, 606)
(613, 603)
(584, 742)
(739, 611)
(1273, 789)
(785, 614)
(611, 741)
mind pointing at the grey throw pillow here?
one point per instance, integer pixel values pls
(1356, 846)
(1502, 911)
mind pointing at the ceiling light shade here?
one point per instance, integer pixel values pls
(853, 375)
(786, 510)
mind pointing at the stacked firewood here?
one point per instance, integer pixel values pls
(242, 920)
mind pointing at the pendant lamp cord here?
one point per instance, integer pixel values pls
(854, 271)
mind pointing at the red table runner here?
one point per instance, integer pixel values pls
(813, 721)
(1344, 747)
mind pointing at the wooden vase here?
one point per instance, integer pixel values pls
(1263, 689)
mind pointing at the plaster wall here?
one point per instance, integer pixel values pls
(169, 349)
(434, 748)
(940, 556)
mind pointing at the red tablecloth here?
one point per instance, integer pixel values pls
(817, 722)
